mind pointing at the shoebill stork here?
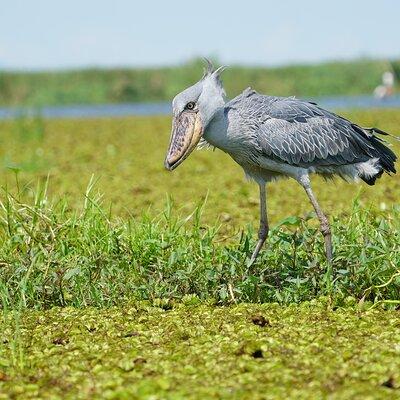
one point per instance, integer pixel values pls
(275, 137)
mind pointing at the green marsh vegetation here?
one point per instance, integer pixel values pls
(193, 351)
(95, 86)
(121, 280)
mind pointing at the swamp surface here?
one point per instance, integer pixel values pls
(111, 289)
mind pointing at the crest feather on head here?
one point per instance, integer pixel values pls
(210, 72)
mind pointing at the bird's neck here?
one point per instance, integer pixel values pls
(216, 130)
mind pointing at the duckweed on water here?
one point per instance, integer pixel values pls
(199, 351)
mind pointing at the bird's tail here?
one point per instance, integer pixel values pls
(386, 157)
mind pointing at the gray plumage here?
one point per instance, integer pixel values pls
(302, 134)
(276, 137)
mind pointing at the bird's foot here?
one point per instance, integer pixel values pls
(251, 261)
(255, 252)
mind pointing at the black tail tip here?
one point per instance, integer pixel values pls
(370, 180)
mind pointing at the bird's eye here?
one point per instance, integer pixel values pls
(190, 105)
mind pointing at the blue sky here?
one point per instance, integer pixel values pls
(62, 34)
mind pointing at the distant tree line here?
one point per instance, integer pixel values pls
(94, 85)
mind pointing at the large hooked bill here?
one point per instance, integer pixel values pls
(187, 130)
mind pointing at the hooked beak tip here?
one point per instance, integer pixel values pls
(168, 166)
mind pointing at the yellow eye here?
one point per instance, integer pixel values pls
(190, 105)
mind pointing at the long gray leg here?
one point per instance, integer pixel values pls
(264, 228)
(324, 223)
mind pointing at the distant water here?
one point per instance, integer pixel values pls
(88, 110)
(348, 102)
(127, 109)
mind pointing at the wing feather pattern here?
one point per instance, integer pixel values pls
(302, 134)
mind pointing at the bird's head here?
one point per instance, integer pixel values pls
(193, 109)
